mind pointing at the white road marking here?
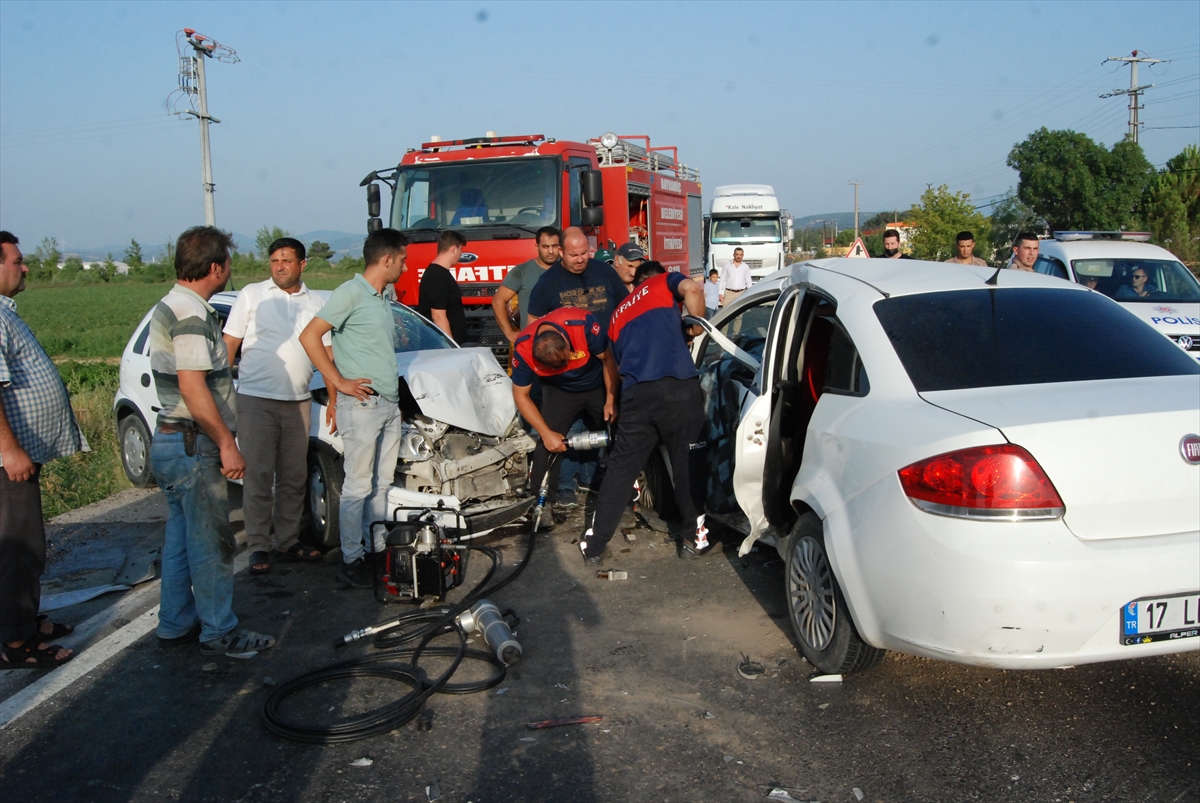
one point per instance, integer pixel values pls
(62, 678)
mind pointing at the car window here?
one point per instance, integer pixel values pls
(1165, 280)
(1020, 336)
(844, 372)
(139, 345)
(1050, 267)
(414, 333)
(748, 331)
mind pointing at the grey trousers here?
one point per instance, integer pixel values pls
(273, 437)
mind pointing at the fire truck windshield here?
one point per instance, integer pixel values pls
(735, 230)
(476, 194)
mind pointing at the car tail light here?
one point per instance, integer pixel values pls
(986, 482)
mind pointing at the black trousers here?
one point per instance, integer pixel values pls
(667, 410)
(22, 556)
(559, 410)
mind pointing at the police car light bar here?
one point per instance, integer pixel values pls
(1070, 236)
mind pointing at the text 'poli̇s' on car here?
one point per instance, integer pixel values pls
(999, 469)
(462, 447)
(1145, 279)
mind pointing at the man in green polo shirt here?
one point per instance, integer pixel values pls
(367, 411)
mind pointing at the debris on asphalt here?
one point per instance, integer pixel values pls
(209, 667)
(709, 715)
(269, 682)
(362, 762)
(749, 669)
(612, 574)
(780, 794)
(825, 679)
(527, 739)
(630, 537)
(433, 791)
(54, 602)
(561, 686)
(554, 723)
(626, 549)
(823, 706)
(501, 691)
(727, 759)
(425, 721)
(857, 793)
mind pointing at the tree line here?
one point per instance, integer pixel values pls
(1067, 182)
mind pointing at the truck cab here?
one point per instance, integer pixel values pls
(747, 216)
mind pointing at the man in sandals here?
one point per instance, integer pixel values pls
(194, 452)
(36, 426)
(273, 403)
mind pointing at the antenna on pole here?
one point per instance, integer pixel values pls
(191, 88)
(1134, 91)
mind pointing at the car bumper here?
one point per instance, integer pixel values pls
(1024, 595)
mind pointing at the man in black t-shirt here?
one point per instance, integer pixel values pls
(439, 297)
(577, 280)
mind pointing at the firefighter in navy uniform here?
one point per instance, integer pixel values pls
(567, 350)
(660, 401)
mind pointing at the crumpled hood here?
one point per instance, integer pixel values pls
(465, 388)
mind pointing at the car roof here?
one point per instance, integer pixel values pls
(1105, 249)
(893, 277)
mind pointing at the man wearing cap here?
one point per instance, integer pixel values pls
(964, 247)
(567, 350)
(626, 262)
(735, 278)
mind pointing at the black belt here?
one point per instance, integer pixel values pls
(173, 428)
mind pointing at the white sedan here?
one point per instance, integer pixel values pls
(995, 469)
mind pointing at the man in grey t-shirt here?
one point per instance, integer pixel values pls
(520, 281)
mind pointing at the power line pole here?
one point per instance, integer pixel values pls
(191, 69)
(1134, 92)
(856, 184)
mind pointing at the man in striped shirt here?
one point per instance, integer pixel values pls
(194, 452)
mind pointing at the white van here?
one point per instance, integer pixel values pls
(746, 216)
(1113, 263)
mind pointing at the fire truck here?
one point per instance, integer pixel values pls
(498, 191)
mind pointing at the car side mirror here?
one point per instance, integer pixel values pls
(592, 184)
(592, 216)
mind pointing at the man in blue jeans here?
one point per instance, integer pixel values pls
(367, 412)
(194, 452)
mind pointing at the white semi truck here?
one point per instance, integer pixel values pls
(748, 216)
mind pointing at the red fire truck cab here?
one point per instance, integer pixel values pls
(498, 191)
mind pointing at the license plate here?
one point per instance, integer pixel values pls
(1161, 619)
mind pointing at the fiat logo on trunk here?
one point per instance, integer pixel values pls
(468, 257)
(1189, 447)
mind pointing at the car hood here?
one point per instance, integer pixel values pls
(464, 388)
(1111, 448)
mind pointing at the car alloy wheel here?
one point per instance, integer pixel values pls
(810, 593)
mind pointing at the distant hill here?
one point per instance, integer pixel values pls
(845, 220)
(342, 242)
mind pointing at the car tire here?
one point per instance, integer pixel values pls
(657, 492)
(323, 494)
(816, 607)
(133, 437)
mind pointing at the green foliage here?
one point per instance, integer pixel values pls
(133, 254)
(320, 250)
(264, 238)
(86, 477)
(167, 257)
(938, 218)
(351, 264)
(1009, 218)
(874, 243)
(317, 265)
(48, 254)
(1172, 206)
(882, 220)
(1077, 184)
(71, 269)
(844, 238)
(86, 322)
(247, 264)
(107, 270)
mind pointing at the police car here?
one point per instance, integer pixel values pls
(1143, 278)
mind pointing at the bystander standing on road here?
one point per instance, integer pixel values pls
(660, 401)
(1025, 251)
(568, 350)
(735, 278)
(194, 452)
(366, 408)
(273, 403)
(36, 426)
(712, 293)
(964, 251)
(626, 262)
(440, 295)
(519, 281)
(577, 280)
(891, 246)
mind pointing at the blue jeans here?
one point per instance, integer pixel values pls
(197, 557)
(370, 433)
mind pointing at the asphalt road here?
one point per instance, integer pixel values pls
(655, 655)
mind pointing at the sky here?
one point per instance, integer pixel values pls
(805, 96)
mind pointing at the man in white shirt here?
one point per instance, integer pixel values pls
(273, 402)
(735, 278)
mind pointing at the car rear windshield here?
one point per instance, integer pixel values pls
(993, 337)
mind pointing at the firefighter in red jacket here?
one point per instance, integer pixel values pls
(567, 350)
